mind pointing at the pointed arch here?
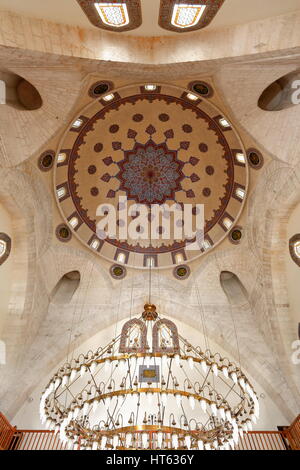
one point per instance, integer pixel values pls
(133, 337)
(165, 337)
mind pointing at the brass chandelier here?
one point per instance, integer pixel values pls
(149, 388)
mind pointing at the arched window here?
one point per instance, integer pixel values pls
(66, 288)
(133, 337)
(165, 337)
(18, 92)
(233, 288)
(294, 245)
(5, 247)
(281, 94)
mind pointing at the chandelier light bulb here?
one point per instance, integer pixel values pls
(178, 399)
(103, 442)
(233, 377)
(175, 441)
(159, 439)
(200, 445)
(95, 405)
(145, 440)
(225, 371)
(215, 369)
(207, 446)
(93, 367)
(65, 380)
(228, 416)
(213, 408)
(192, 402)
(76, 412)
(85, 409)
(204, 366)
(222, 413)
(83, 370)
(128, 439)
(203, 405)
(190, 362)
(177, 359)
(57, 383)
(115, 441)
(188, 441)
(95, 445)
(242, 383)
(106, 364)
(73, 375)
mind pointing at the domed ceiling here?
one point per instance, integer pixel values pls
(155, 145)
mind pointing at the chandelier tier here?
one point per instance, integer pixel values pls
(149, 388)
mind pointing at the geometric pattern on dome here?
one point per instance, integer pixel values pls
(150, 173)
(155, 146)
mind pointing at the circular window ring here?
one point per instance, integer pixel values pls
(63, 233)
(201, 88)
(46, 160)
(235, 235)
(100, 88)
(181, 272)
(118, 272)
(255, 158)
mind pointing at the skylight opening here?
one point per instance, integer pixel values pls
(113, 14)
(187, 16)
(2, 248)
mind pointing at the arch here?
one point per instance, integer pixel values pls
(282, 93)
(233, 288)
(65, 288)
(134, 331)
(160, 343)
(294, 246)
(5, 247)
(18, 92)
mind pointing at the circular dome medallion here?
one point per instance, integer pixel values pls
(192, 157)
